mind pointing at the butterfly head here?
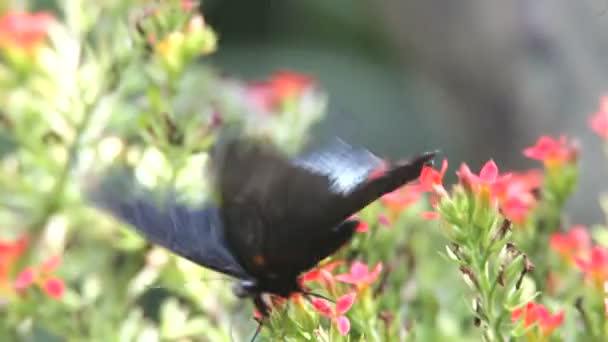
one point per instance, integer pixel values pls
(246, 288)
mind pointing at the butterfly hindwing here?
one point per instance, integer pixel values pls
(195, 233)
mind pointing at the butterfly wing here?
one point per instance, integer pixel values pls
(350, 171)
(283, 216)
(193, 233)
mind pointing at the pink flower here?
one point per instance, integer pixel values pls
(537, 313)
(41, 276)
(599, 120)
(486, 180)
(362, 227)
(596, 267)
(282, 86)
(323, 275)
(516, 194)
(359, 275)
(572, 244)
(552, 152)
(343, 304)
(53, 286)
(24, 30)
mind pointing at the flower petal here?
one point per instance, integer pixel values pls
(489, 172)
(26, 278)
(50, 264)
(345, 302)
(54, 287)
(343, 325)
(322, 307)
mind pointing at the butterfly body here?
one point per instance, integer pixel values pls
(275, 218)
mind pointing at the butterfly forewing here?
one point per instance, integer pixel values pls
(195, 233)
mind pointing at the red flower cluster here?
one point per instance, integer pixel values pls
(10, 252)
(24, 30)
(360, 276)
(282, 86)
(599, 120)
(552, 152)
(534, 313)
(487, 181)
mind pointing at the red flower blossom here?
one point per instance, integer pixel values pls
(572, 244)
(41, 276)
(283, 85)
(360, 275)
(537, 313)
(596, 267)
(599, 120)
(400, 199)
(9, 254)
(343, 304)
(322, 274)
(488, 179)
(516, 194)
(24, 30)
(552, 152)
(362, 227)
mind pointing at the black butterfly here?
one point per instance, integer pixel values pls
(276, 217)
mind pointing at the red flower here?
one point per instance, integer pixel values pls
(283, 85)
(24, 30)
(571, 244)
(596, 267)
(599, 120)
(516, 194)
(343, 304)
(362, 227)
(538, 313)
(9, 254)
(431, 180)
(400, 199)
(488, 180)
(552, 152)
(360, 275)
(322, 274)
(41, 276)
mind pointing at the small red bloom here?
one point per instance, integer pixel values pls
(516, 194)
(362, 227)
(343, 304)
(322, 274)
(487, 181)
(574, 243)
(400, 199)
(50, 265)
(596, 267)
(24, 30)
(9, 253)
(552, 152)
(599, 120)
(538, 313)
(283, 85)
(53, 286)
(26, 278)
(360, 275)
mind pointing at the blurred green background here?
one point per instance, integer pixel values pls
(475, 79)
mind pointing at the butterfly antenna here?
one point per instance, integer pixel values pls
(312, 294)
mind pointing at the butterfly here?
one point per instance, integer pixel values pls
(275, 218)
